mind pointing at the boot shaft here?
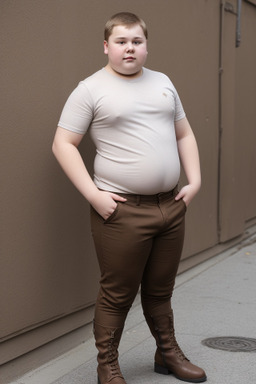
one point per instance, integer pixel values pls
(107, 340)
(162, 329)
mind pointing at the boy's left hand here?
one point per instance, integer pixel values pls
(187, 193)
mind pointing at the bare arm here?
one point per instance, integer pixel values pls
(65, 149)
(189, 157)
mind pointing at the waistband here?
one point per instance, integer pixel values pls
(157, 198)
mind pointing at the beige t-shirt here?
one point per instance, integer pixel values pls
(131, 122)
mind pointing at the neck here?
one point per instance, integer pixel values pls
(123, 75)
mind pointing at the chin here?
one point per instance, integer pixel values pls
(130, 72)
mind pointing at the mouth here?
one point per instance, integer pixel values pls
(129, 58)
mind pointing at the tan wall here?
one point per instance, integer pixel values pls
(237, 203)
(49, 271)
(245, 108)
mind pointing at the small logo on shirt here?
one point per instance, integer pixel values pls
(164, 94)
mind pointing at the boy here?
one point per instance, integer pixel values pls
(140, 131)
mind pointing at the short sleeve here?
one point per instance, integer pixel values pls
(179, 110)
(77, 113)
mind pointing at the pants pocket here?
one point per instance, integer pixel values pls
(113, 214)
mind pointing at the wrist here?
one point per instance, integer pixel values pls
(92, 194)
(195, 184)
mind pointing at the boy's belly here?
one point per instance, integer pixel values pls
(139, 175)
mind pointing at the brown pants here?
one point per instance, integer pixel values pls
(140, 243)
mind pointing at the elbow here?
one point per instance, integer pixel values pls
(199, 182)
(54, 149)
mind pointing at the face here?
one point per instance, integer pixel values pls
(127, 51)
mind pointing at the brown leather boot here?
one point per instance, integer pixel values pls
(169, 358)
(107, 341)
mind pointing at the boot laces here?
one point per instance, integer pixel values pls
(115, 369)
(112, 357)
(174, 345)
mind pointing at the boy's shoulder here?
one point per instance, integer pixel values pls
(93, 83)
(156, 74)
(96, 76)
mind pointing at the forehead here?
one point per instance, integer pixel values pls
(128, 32)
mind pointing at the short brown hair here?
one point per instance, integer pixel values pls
(124, 18)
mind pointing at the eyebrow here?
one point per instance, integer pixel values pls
(134, 38)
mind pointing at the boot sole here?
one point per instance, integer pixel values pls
(98, 381)
(165, 371)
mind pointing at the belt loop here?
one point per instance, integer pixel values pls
(137, 199)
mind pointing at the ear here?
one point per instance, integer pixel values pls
(105, 47)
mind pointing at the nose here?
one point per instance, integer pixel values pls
(130, 47)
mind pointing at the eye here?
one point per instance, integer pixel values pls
(137, 42)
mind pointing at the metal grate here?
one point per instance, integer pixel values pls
(231, 344)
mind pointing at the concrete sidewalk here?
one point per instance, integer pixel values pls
(216, 298)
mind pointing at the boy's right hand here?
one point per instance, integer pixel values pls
(105, 203)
